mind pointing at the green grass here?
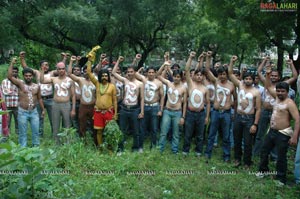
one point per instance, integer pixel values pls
(90, 173)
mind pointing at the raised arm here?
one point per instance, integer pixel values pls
(268, 81)
(99, 65)
(64, 57)
(188, 67)
(114, 71)
(260, 67)
(71, 75)
(160, 71)
(232, 77)
(295, 115)
(136, 60)
(294, 72)
(200, 60)
(10, 76)
(210, 75)
(139, 76)
(22, 59)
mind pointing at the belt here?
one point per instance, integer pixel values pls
(47, 97)
(153, 104)
(172, 109)
(130, 106)
(195, 111)
(103, 111)
(223, 111)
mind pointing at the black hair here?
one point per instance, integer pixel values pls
(100, 75)
(237, 72)
(175, 65)
(248, 74)
(177, 72)
(42, 61)
(279, 73)
(16, 68)
(76, 66)
(201, 70)
(221, 70)
(130, 66)
(84, 67)
(151, 68)
(283, 85)
(27, 70)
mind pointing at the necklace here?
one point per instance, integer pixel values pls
(103, 89)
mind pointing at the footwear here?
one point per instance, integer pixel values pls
(236, 164)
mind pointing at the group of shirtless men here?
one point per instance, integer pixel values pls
(138, 99)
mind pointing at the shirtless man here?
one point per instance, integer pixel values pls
(281, 133)
(87, 98)
(196, 117)
(220, 114)
(105, 108)
(175, 110)
(154, 103)
(29, 96)
(64, 92)
(268, 102)
(46, 90)
(132, 107)
(247, 114)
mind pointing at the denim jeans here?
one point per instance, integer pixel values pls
(219, 120)
(48, 106)
(297, 163)
(170, 118)
(150, 123)
(241, 130)
(275, 138)
(130, 116)
(31, 116)
(263, 125)
(194, 121)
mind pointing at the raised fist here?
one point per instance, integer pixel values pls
(102, 56)
(73, 58)
(209, 53)
(121, 58)
(22, 54)
(289, 62)
(192, 54)
(234, 58)
(78, 58)
(14, 60)
(138, 56)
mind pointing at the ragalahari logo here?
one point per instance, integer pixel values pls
(272, 6)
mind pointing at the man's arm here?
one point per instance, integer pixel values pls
(162, 99)
(40, 100)
(71, 75)
(115, 102)
(294, 72)
(139, 76)
(253, 128)
(207, 102)
(184, 104)
(44, 80)
(73, 95)
(232, 77)
(160, 76)
(295, 115)
(187, 68)
(142, 97)
(99, 65)
(10, 76)
(24, 64)
(210, 76)
(200, 60)
(114, 71)
(260, 67)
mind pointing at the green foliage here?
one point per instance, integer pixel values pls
(112, 135)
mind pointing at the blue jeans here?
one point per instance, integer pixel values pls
(170, 118)
(31, 116)
(150, 123)
(281, 141)
(130, 116)
(297, 164)
(48, 106)
(219, 120)
(263, 125)
(241, 129)
(194, 120)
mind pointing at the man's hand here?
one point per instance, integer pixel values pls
(22, 54)
(234, 58)
(78, 58)
(13, 60)
(181, 121)
(159, 113)
(115, 116)
(268, 69)
(121, 59)
(293, 141)
(73, 113)
(192, 54)
(73, 58)
(209, 54)
(138, 57)
(43, 113)
(201, 56)
(141, 115)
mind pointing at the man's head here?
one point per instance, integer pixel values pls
(275, 76)
(103, 76)
(177, 76)
(84, 70)
(237, 73)
(248, 78)
(198, 75)
(44, 65)
(222, 73)
(61, 68)
(130, 72)
(151, 73)
(76, 70)
(28, 75)
(282, 90)
(15, 72)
